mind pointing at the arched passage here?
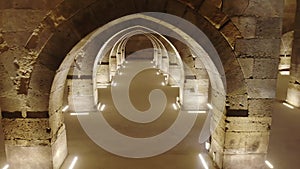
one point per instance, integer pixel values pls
(99, 41)
(60, 25)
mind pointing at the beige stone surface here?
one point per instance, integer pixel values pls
(246, 142)
(237, 102)
(247, 65)
(212, 13)
(231, 33)
(249, 124)
(246, 25)
(265, 68)
(236, 7)
(268, 27)
(260, 107)
(258, 48)
(26, 129)
(20, 20)
(244, 161)
(261, 88)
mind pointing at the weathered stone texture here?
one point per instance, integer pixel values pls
(29, 156)
(235, 79)
(265, 68)
(6, 81)
(247, 65)
(28, 4)
(256, 8)
(26, 129)
(236, 7)
(3, 44)
(258, 48)
(20, 20)
(260, 107)
(246, 25)
(237, 102)
(248, 124)
(246, 142)
(213, 14)
(231, 33)
(261, 8)
(261, 88)
(59, 150)
(244, 161)
(268, 27)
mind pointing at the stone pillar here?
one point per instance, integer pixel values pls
(28, 142)
(248, 116)
(293, 93)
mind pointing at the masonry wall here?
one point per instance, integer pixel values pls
(252, 29)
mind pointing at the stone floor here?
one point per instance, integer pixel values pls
(284, 149)
(183, 156)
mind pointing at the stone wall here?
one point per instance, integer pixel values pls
(25, 120)
(248, 120)
(246, 34)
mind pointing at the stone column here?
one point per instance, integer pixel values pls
(28, 143)
(248, 117)
(293, 93)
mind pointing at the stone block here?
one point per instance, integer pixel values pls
(57, 100)
(6, 83)
(265, 68)
(26, 129)
(264, 8)
(244, 161)
(236, 7)
(59, 150)
(213, 14)
(22, 37)
(216, 152)
(235, 79)
(12, 103)
(218, 135)
(81, 87)
(231, 33)
(198, 63)
(249, 124)
(261, 88)
(28, 157)
(81, 103)
(12, 57)
(201, 74)
(247, 65)
(237, 102)
(34, 4)
(21, 20)
(260, 107)
(246, 142)
(246, 25)
(258, 48)
(268, 27)
(217, 100)
(56, 123)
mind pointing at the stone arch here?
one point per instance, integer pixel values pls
(65, 24)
